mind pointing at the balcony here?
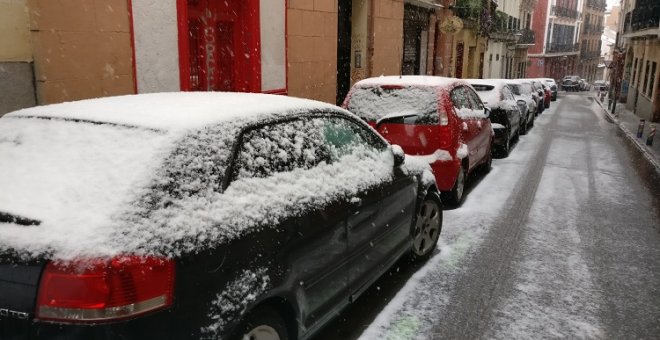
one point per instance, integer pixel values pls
(565, 12)
(473, 12)
(642, 18)
(597, 4)
(592, 29)
(589, 54)
(527, 37)
(557, 48)
(503, 28)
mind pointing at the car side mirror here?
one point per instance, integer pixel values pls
(399, 155)
(487, 112)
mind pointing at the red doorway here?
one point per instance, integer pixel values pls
(219, 45)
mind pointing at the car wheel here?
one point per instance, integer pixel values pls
(531, 124)
(262, 324)
(523, 127)
(455, 196)
(427, 227)
(488, 163)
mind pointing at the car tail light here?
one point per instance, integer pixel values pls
(105, 290)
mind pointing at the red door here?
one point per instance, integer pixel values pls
(223, 46)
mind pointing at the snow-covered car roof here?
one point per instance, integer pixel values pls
(491, 97)
(172, 111)
(144, 174)
(431, 81)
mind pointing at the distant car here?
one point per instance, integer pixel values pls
(199, 215)
(442, 119)
(601, 85)
(571, 83)
(584, 85)
(536, 91)
(544, 93)
(553, 87)
(505, 113)
(526, 103)
(547, 97)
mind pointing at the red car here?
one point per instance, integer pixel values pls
(441, 119)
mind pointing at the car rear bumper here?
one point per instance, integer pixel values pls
(446, 173)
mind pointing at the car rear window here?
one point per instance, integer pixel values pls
(412, 104)
(72, 171)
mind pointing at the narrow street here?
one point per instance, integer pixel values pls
(560, 240)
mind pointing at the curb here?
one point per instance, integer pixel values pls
(640, 146)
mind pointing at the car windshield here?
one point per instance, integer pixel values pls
(488, 94)
(70, 169)
(413, 104)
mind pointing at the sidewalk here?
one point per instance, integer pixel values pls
(628, 122)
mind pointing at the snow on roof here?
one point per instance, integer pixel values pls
(102, 189)
(174, 110)
(410, 81)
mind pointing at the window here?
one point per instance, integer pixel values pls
(646, 76)
(281, 147)
(474, 99)
(343, 137)
(301, 144)
(652, 79)
(459, 98)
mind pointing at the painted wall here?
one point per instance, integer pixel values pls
(273, 46)
(387, 37)
(16, 72)
(156, 45)
(644, 104)
(81, 49)
(312, 49)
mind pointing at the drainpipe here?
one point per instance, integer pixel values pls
(639, 76)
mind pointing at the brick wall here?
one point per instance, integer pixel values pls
(81, 49)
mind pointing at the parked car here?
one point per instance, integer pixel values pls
(526, 103)
(601, 85)
(584, 85)
(440, 118)
(536, 91)
(571, 83)
(553, 87)
(505, 113)
(199, 215)
(547, 95)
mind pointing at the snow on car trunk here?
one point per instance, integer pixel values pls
(71, 176)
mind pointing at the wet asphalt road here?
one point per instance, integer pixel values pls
(574, 252)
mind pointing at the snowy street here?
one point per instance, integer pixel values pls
(560, 240)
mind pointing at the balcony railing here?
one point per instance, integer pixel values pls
(597, 4)
(592, 29)
(589, 54)
(556, 48)
(642, 18)
(564, 12)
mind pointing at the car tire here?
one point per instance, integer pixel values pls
(427, 228)
(523, 128)
(503, 150)
(455, 196)
(264, 323)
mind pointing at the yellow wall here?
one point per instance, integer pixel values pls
(82, 49)
(387, 37)
(312, 49)
(14, 31)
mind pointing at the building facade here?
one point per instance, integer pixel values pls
(511, 36)
(639, 44)
(556, 24)
(593, 18)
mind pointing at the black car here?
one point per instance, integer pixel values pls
(505, 113)
(199, 215)
(571, 83)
